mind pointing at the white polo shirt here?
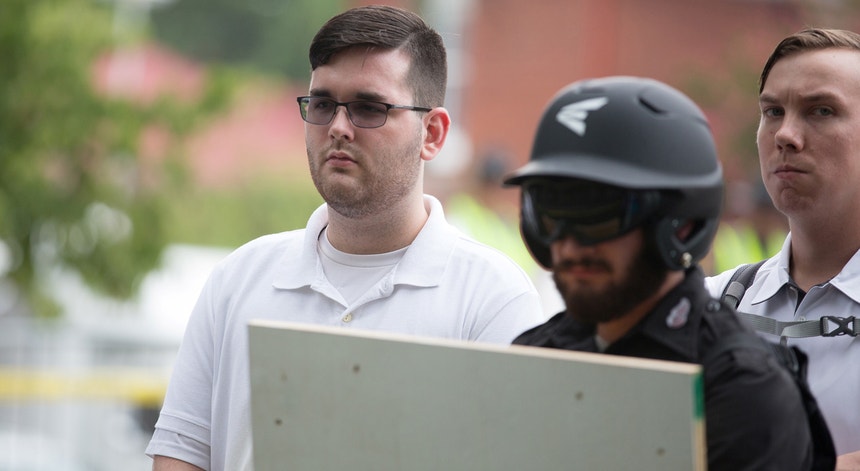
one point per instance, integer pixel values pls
(834, 362)
(445, 285)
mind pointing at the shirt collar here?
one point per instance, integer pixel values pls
(423, 264)
(675, 320)
(298, 268)
(425, 260)
(774, 275)
(848, 280)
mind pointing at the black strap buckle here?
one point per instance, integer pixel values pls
(844, 326)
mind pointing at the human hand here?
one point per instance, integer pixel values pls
(848, 462)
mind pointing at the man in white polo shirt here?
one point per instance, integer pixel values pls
(378, 255)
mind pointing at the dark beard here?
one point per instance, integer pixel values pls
(643, 280)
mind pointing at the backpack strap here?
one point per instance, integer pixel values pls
(741, 279)
(826, 326)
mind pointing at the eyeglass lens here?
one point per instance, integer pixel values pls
(364, 114)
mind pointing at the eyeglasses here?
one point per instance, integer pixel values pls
(363, 114)
(589, 212)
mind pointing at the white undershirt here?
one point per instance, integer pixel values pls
(352, 274)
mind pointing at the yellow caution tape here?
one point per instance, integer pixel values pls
(144, 388)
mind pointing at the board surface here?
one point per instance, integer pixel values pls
(328, 398)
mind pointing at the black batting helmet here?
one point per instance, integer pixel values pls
(634, 134)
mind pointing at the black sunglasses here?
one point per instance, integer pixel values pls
(589, 212)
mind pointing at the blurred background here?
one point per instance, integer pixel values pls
(142, 140)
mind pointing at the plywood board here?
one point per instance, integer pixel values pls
(328, 398)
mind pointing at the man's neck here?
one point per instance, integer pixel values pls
(384, 232)
(819, 254)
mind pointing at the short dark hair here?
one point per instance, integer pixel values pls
(809, 40)
(386, 27)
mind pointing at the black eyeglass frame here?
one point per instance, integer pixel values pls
(304, 101)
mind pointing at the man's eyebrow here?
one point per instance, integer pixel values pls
(765, 98)
(821, 96)
(813, 97)
(369, 96)
(366, 96)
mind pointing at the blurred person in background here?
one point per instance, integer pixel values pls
(751, 229)
(378, 254)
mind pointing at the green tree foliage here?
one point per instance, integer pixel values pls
(732, 92)
(72, 189)
(229, 217)
(269, 35)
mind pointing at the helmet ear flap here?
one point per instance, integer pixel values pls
(680, 254)
(540, 251)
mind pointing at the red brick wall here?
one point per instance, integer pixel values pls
(521, 52)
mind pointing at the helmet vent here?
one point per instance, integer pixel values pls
(653, 108)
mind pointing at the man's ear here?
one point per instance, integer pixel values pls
(437, 122)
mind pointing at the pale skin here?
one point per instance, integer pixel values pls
(809, 151)
(349, 161)
(618, 254)
(163, 463)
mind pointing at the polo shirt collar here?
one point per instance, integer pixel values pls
(299, 268)
(848, 280)
(774, 274)
(426, 259)
(423, 263)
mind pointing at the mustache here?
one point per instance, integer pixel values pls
(339, 145)
(586, 263)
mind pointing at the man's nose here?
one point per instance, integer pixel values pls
(341, 125)
(789, 135)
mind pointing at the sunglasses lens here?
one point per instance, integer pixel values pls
(588, 211)
(584, 233)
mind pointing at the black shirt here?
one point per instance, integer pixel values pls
(754, 414)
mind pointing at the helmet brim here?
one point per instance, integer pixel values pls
(611, 172)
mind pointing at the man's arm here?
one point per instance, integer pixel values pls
(749, 398)
(848, 462)
(164, 463)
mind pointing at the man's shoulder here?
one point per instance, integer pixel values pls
(560, 331)
(750, 398)
(482, 263)
(468, 247)
(443, 241)
(264, 248)
(715, 284)
(762, 274)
